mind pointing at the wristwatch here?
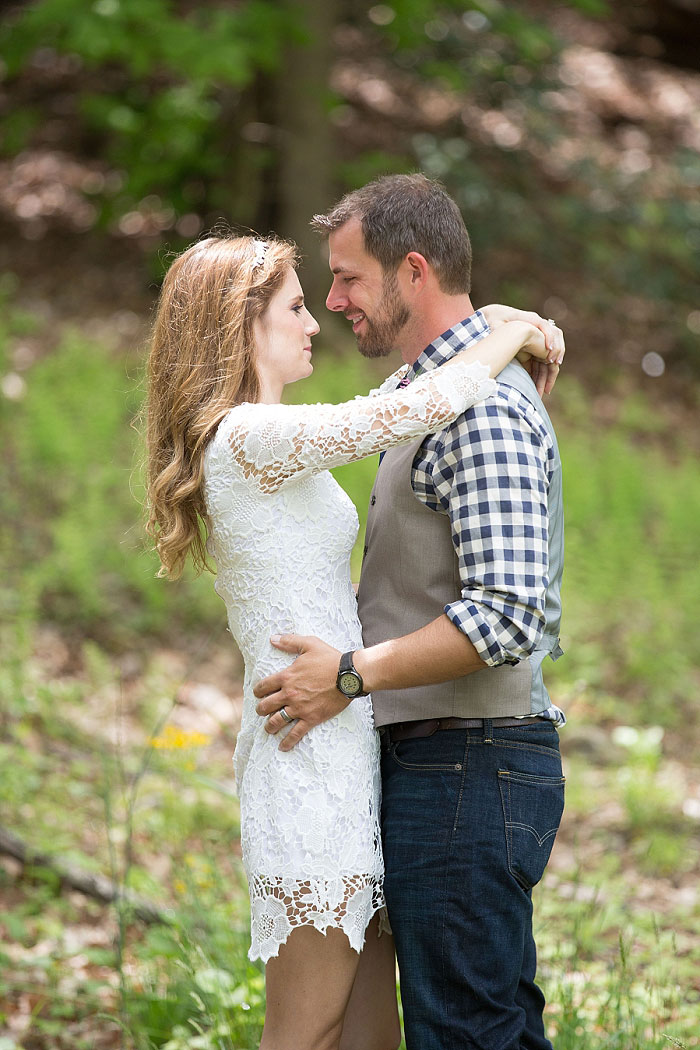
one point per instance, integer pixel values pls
(349, 681)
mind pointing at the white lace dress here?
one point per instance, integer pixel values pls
(282, 531)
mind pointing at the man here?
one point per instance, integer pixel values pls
(459, 602)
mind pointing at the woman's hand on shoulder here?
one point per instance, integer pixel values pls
(497, 314)
(543, 353)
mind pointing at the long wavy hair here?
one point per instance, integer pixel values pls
(201, 364)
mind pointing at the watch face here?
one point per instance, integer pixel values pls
(349, 683)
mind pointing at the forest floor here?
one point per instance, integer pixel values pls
(127, 765)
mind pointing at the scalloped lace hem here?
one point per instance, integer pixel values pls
(279, 906)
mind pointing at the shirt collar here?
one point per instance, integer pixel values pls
(456, 338)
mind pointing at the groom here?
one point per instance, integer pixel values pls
(459, 603)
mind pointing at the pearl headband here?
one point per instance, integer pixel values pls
(260, 251)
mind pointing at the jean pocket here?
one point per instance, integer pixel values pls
(427, 757)
(532, 807)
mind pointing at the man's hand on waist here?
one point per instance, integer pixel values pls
(306, 689)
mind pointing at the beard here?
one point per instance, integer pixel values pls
(382, 331)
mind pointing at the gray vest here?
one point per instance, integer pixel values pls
(410, 572)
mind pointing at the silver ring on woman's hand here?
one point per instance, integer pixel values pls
(286, 716)
(550, 321)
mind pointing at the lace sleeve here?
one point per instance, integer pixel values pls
(390, 383)
(273, 443)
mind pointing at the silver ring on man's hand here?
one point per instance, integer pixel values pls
(286, 716)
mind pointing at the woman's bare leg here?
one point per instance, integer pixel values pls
(308, 987)
(372, 1016)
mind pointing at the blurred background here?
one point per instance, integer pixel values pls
(569, 134)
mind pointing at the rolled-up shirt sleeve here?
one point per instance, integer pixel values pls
(490, 473)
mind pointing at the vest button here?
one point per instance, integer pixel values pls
(373, 500)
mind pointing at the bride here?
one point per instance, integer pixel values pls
(234, 473)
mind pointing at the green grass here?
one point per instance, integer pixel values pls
(632, 577)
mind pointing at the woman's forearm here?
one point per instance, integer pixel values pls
(498, 348)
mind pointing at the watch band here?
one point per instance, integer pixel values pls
(347, 667)
(346, 663)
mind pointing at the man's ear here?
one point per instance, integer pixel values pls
(418, 269)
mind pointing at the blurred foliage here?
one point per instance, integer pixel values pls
(184, 124)
(152, 85)
(164, 106)
(71, 535)
(210, 45)
(431, 37)
(615, 246)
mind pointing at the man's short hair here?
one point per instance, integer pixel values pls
(408, 213)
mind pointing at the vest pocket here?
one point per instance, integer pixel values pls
(532, 808)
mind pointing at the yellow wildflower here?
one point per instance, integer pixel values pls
(172, 738)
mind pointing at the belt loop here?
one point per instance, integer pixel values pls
(488, 730)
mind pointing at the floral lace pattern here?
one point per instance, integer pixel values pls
(282, 531)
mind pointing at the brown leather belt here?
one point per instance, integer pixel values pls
(428, 726)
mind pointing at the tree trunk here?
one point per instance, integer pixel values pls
(305, 140)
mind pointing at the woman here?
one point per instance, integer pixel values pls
(231, 331)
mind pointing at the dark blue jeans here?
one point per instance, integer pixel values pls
(469, 819)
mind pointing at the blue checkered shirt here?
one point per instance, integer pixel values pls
(490, 471)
